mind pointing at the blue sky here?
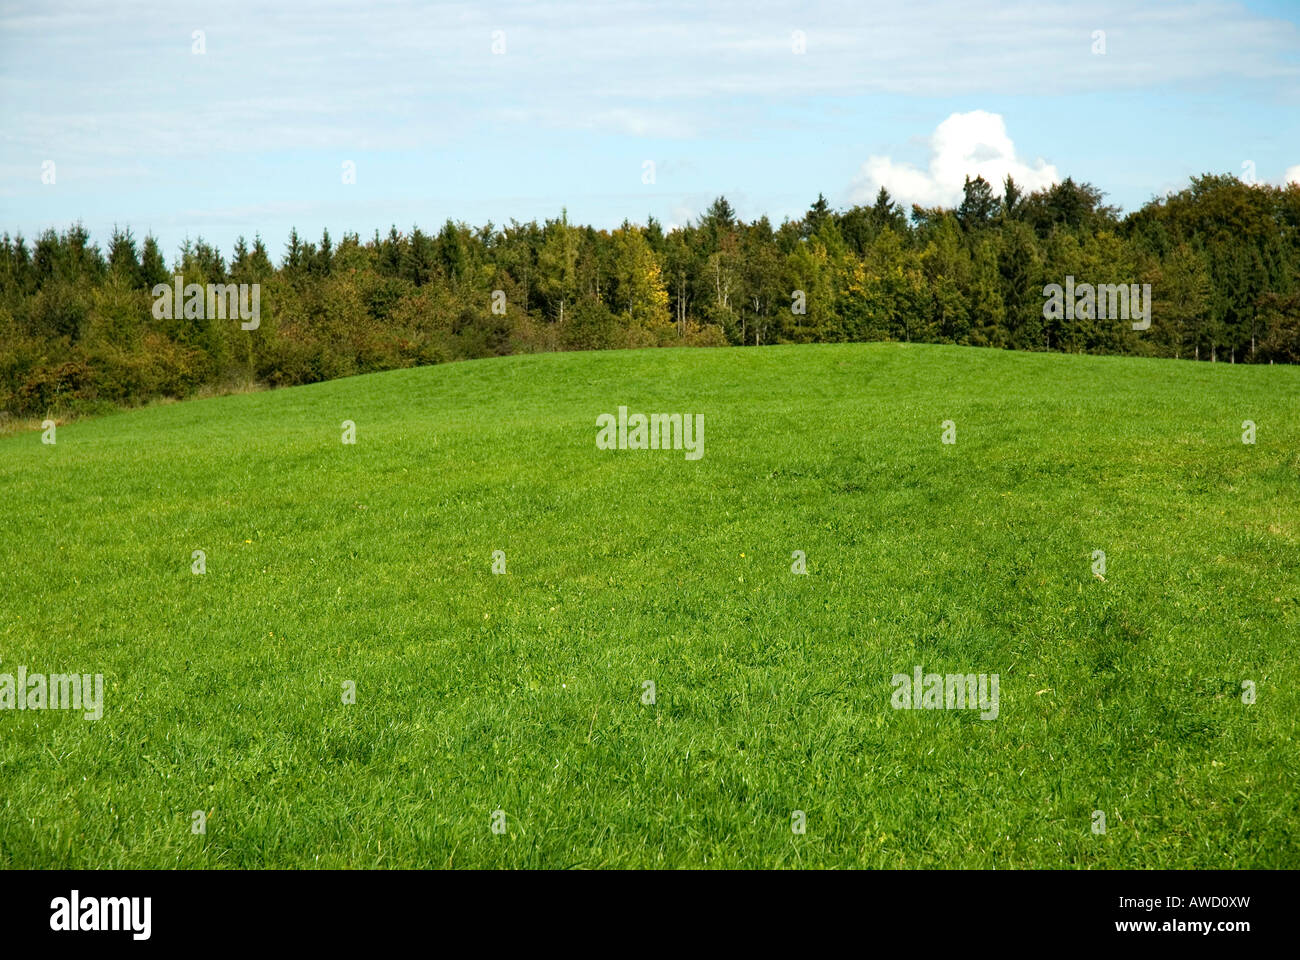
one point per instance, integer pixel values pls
(251, 135)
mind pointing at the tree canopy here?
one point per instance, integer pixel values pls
(1222, 259)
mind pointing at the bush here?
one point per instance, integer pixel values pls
(707, 335)
(66, 386)
(590, 326)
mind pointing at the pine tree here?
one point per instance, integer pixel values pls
(977, 205)
(122, 260)
(153, 268)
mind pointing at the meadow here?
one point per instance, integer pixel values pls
(332, 567)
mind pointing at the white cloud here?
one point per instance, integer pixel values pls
(1292, 175)
(412, 90)
(966, 144)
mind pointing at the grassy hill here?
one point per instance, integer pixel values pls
(371, 563)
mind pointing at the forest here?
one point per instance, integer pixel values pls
(79, 332)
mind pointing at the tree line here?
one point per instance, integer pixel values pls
(78, 331)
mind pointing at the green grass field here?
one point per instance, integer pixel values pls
(523, 692)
